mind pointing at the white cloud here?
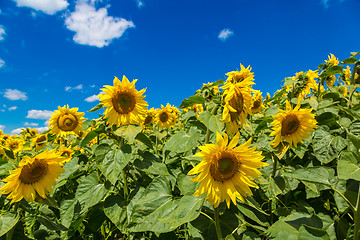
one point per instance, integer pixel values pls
(42, 129)
(14, 94)
(2, 63)
(47, 6)
(140, 3)
(12, 108)
(31, 124)
(2, 127)
(2, 32)
(225, 34)
(39, 114)
(78, 87)
(16, 131)
(94, 27)
(92, 98)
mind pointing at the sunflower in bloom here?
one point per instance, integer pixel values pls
(237, 106)
(124, 104)
(65, 121)
(15, 144)
(166, 117)
(196, 108)
(256, 102)
(226, 171)
(305, 83)
(244, 76)
(346, 75)
(149, 118)
(39, 142)
(332, 61)
(66, 153)
(292, 125)
(34, 176)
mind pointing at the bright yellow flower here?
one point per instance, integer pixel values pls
(124, 104)
(226, 172)
(344, 90)
(237, 106)
(39, 142)
(244, 75)
(166, 117)
(256, 102)
(292, 125)
(333, 61)
(34, 176)
(65, 121)
(347, 75)
(330, 80)
(150, 117)
(66, 153)
(196, 108)
(15, 144)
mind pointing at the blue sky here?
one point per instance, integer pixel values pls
(58, 52)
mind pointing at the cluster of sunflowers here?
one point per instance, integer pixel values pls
(214, 135)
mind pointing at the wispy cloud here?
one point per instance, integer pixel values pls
(78, 87)
(14, 94)
(140, 3)
(2, 32)
(93, 26)
(16, 131)
(12, 108)
(39, 114)
(2, 63)
(31, 124)
(2, 127)
(92, 98)
(225, 34)
(47, 6)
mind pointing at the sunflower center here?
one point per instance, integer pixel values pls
(65, 154)
(33, 172)
(289, 125)
(14, 145)
(164, 117)
(67, 122)
(148, 119)
(237, 78)
(224, 168)
(124, 103)
(257, 104)
(41, 140)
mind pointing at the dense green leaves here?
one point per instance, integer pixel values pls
(7, 222)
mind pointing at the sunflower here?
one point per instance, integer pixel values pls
(330, 80)
(39, 142)
(346, 75)
(256, 102)
(244, 76)
(65, 121)
(15, 144)
(196, 108)
(305, 82)
(66, 153)
(166, 117)
(150, 118)
(293, 125)
(333, 61)
(237, 106)
(34, 176)
(226, 172)
(124, 104)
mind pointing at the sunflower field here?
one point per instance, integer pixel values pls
(227, 163)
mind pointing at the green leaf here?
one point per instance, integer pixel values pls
(113, 164)
(185, 185)
(253, 214)
(350, 60)
(351, 112)
(97, 107)
(332, 71)
(7, 222)
(348, 166)
(70, 167)
(101, 151)
(144, 139)
(151, 164)
(154, 203)
(91, 135)
(355, 140)
(115, 209)
(68, 208)
(89, 192)
(310, 233)
(50, 224)
(191, 101)
(188, 208)
(212, 122)
(183, 141)
(128, 132)
(319, 175)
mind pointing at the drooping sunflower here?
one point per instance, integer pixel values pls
(166, 117)
(256, 102)
(34, 175)
(39, 142)
(124, 104)
(237, 106)
(244, 76)
(65, 121)
(332, 60)
(305, 83)
(292, 125)
(226, 172)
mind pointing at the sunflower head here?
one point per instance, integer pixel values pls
(65, 121)
(66, 153)
(243, 76)
(39, 142)
(292, 125)
(332, 60)
(34, 176)
(226, 170)
(16, 144)
(256, 102)
(166, 117)
(124, 104)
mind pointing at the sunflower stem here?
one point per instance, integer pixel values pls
(352, 88)
(126, 190)
(213, 112)
(217, 223)
(357, 217)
